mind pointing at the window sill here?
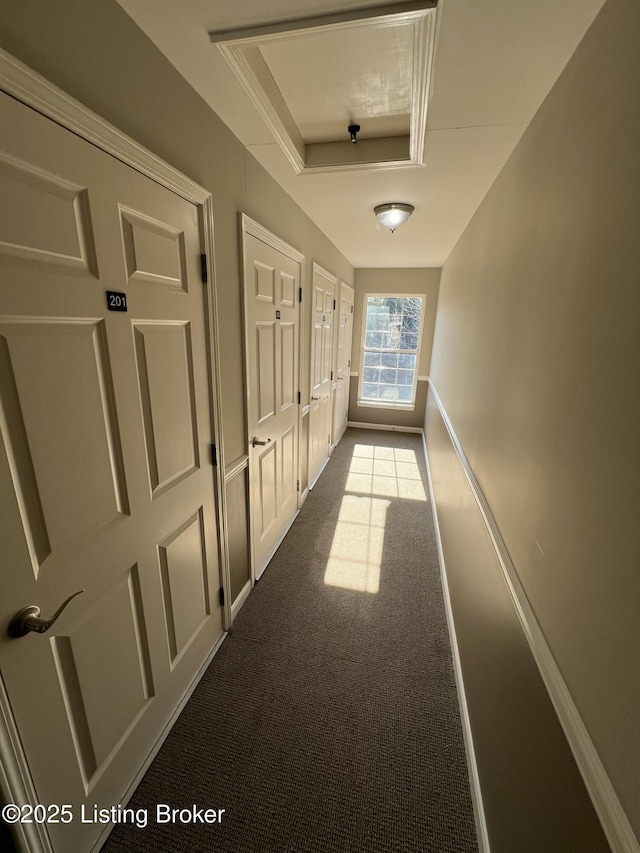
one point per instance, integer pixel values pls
(378, 404)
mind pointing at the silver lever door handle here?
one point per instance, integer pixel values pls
(315, 398)
(255, 442)
(29, 619)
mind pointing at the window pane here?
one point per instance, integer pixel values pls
(376, 322)
(389, 359)
(388, 393)
(409, 340)
(407, 361)
(392, 324)
(370, 391)
(371, 374)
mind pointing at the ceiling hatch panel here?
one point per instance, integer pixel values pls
(311, 79)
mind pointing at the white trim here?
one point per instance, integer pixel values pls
(423, 378)
(241, 464)
(215, 407)
(384, 427)
(241, 50)
(340, 437)
(321, 271)
(304, 496)
(16, 784)
(240, 600)
(277, 545)
(398, 407)
(250, 226)
(353, 16)
(102, 838)
(28, 87)
(317, 477)
(424, 34)
(32, 89)
(482, 831)
(614, 821)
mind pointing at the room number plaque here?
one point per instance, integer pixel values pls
(116, 301)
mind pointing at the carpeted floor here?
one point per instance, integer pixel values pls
(328, 721)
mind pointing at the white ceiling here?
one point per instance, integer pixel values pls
(341, 78)
(495, 61)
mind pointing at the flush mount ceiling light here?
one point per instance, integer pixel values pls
(393, 214)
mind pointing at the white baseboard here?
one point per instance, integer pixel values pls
(384, 427)
(317, 477)
(472, 765)
(240, 600)
(163, 736)
(277, 545)
(615, 823)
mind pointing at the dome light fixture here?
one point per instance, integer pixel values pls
(393, 214)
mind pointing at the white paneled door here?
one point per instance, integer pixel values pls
(272, 278)
(344, 319)
(323, 306)
(106, 476)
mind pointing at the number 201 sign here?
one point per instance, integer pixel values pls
(116, 301)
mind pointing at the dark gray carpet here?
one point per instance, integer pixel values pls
(328, 721)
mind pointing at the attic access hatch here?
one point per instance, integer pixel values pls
(311, 78)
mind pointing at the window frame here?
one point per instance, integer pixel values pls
(379, 404)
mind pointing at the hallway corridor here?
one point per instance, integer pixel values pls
(328, 721)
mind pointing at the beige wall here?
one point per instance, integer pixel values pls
(535, 359)
(94, 51)
(415, 281)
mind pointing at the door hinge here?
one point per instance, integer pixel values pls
(299, 294)
(352, 309)
(332, 374)
(298, 485)
(214, 455)
(299, 397)
(203, 265)
(221, 596)
(334, 304)
(349, 365)
(328, 439)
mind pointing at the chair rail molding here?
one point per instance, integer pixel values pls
(615, 823)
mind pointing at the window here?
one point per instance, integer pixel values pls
(392, 329)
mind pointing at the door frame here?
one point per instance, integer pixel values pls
(332, 279)
(343, 285)
(33, 90)
(250, 228)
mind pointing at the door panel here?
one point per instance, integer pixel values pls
(185, 582)
(164, 360)
(66, 422)
(94, 665)
(324, 285)
(266, 359)
(272, 280)
(106, 480)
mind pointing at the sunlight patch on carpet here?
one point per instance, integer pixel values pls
(355, 559)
